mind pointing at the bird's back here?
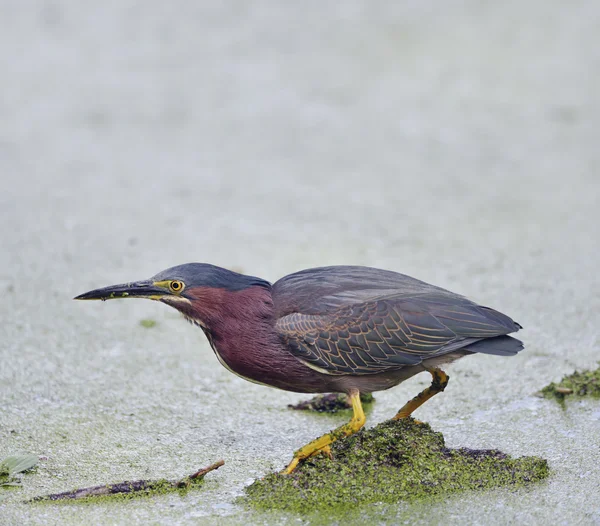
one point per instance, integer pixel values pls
(362, 320)
(322, 289)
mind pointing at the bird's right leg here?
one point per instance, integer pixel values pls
(438, 384)
(322, 443)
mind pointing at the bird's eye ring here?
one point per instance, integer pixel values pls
(176, 286)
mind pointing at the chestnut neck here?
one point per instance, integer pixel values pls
(222, 310)
(240, 326)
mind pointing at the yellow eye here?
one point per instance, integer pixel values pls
(176, 286)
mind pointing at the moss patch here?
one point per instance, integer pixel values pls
(148, 323)
(330, 403)
(394, 461)
(585, 383)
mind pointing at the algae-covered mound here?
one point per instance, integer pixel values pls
(330, 403)
(585, 383)
(397, 460)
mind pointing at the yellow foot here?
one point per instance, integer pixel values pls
(291, 466)
(321, 445)
(326, 451)
(418, 422)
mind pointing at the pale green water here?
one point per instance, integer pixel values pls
(458, 144)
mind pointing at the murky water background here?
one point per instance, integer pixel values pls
(457, 143)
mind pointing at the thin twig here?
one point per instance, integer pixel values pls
(130, 486)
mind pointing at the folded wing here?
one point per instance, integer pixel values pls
(356, 324)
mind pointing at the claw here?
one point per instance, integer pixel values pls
(326, 451)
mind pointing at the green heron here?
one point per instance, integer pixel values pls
(344, 329)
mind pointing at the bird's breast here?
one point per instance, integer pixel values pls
(230, 363)
(267, 361)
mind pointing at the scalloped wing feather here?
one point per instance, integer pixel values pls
(389, 333)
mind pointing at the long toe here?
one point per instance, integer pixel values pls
(291, 466)
(326, 451)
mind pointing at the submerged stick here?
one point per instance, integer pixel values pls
(131, 486)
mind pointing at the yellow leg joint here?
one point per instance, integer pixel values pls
(438, 384)
(322, 443)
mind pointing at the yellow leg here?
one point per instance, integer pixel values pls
(438, 384)
(322, 443)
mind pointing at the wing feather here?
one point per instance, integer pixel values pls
(388, 333)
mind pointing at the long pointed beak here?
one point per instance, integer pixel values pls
(136, 289)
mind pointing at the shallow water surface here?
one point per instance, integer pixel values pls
(454, 143)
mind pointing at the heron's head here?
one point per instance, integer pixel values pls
(191, 288)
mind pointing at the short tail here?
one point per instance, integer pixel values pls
(499, 345)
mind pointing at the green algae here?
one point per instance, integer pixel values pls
(331, 403)
(395, 461)
(148, 323)
(584, 383)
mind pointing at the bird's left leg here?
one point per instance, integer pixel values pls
(322, 443)
(438, 384)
